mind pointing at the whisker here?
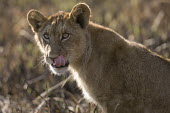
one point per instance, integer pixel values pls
(41, 62)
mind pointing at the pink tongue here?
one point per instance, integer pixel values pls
(59, 61)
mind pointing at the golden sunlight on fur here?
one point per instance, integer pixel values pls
(118, 75)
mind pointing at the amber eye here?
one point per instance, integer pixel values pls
(65, 36)
(46, 36)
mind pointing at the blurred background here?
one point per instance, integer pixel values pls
(26, 85)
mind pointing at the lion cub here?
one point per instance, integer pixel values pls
(119, 75)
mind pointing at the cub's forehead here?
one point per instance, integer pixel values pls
(59, 18)
(57, 22)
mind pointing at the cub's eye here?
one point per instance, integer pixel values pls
(65, 36)
(46, 36)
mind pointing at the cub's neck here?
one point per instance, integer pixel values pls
(100, 41)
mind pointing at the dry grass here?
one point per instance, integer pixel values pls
(22, 76)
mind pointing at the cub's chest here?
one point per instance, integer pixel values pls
(84, 86)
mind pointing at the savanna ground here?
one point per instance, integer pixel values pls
(26, 85)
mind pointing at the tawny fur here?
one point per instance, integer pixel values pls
(119, 75)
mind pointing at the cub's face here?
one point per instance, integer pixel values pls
(61, 37)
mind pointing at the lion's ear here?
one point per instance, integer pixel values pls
(35, 19)
(81, 14)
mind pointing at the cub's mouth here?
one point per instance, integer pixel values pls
(60, 62)
(58, 65)
(62, 66)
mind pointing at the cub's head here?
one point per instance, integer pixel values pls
(62, 36)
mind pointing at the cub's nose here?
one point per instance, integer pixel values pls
(52, 56)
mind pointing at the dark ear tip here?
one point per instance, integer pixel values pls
(31, 13)
(82, 5)
(35, 19)
(81, 13)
